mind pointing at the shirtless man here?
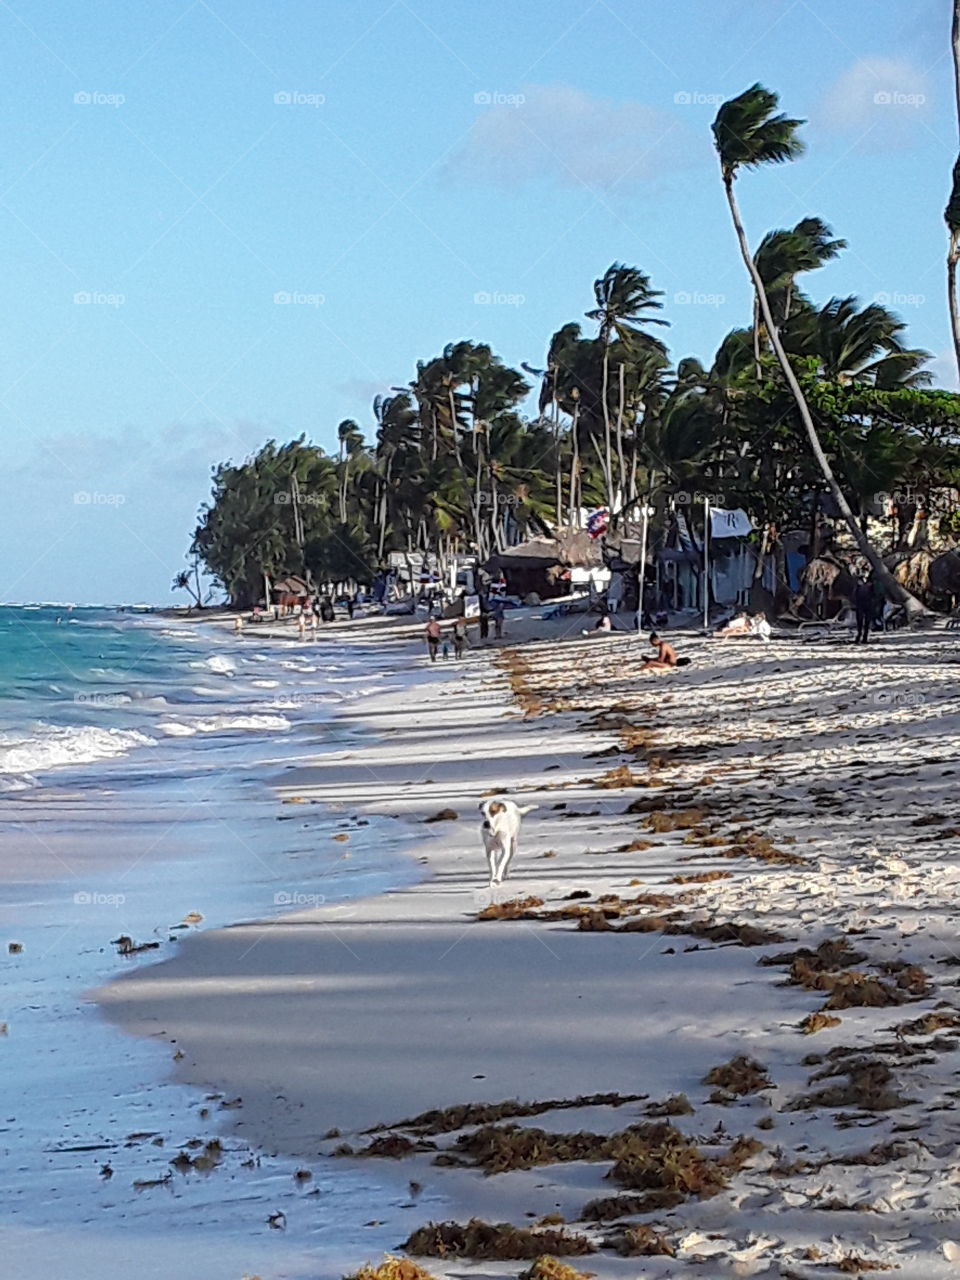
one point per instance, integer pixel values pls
(666, 658)
(433, 634)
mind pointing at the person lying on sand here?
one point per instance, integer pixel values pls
(745, 625)
(666, 658)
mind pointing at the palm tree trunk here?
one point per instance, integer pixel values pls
(557, 460)
(574, 507)
(756, 338)
(621, 460)
(606, 460)
(894, 589)
(953, 257)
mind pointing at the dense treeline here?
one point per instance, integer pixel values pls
(807, 398)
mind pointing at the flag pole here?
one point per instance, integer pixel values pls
(706, 564)
(642, 569)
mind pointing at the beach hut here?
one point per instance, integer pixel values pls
(290, 592)
(544, 566)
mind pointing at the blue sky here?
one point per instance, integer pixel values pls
(169, 171)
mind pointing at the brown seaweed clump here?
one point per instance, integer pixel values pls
(465, 1114)
(493, 1241)
(515, 909)
(642, 1242)
(392, 1268)
(868, 1086)
(737, 1078)
(546, 1267)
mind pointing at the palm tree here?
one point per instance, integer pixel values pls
(623, 296)
(781, 257)
(351, 442)
(748, 134)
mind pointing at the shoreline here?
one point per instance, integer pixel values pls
(406, 1002)
(91, 855)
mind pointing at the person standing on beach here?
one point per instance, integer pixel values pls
(864, 601)
(459, 637)
(302, 625)
(433, 638)
(237, 625)
(496, 612)
(484, 617)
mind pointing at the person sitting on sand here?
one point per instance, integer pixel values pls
(666, 658)
(433, 638)
(603, 626)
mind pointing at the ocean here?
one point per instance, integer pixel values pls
(139, 766)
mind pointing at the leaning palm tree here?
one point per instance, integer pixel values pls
(952, 211)
(952, 218)
(749, 134)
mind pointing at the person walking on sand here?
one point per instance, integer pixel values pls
(302, 625)
(433, 638)
(459, 637)
(237, 625)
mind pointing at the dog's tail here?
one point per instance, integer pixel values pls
(527, 808)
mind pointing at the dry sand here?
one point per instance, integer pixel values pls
(821, 777)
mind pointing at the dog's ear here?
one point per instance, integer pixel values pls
(527, 808)
(497, 807)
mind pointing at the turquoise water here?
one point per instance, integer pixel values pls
(138, 766)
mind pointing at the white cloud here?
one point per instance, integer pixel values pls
(883, 99)
(561, 134)
(943, 366)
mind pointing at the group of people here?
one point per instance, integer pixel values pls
(439, 643)
(745, 624)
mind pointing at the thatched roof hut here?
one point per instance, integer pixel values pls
(825, 574)
(539, 564)
(945, 574)
(913, 571)
(933, 576)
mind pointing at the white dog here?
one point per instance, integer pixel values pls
(500, 830)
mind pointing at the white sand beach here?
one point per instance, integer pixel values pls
(803, 793)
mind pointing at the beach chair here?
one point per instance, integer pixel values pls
(840, 628)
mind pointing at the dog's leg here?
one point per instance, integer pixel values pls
(490, 848)
(509, 851)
